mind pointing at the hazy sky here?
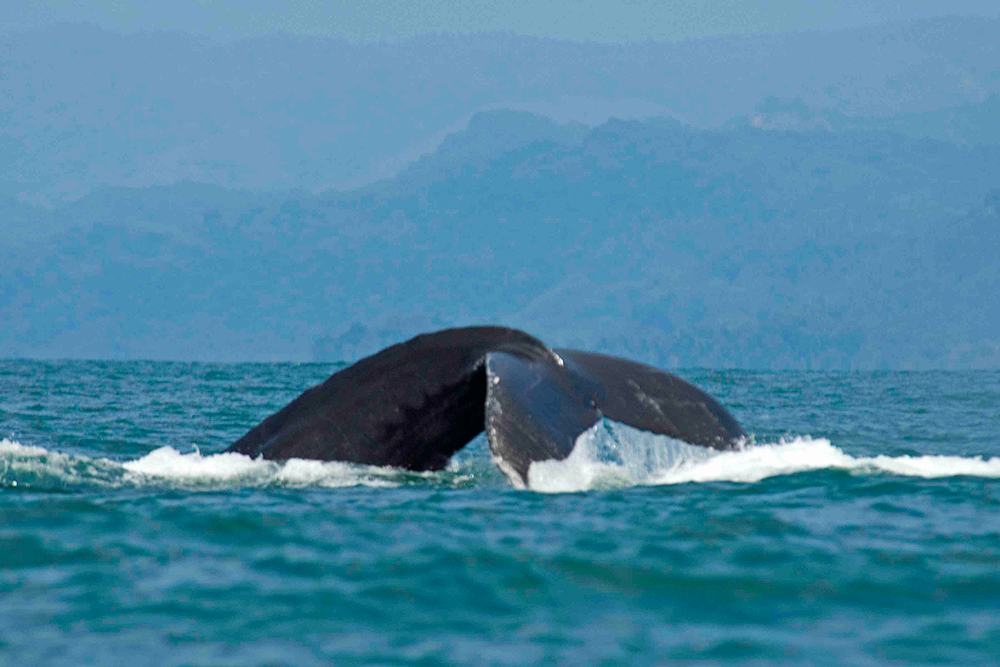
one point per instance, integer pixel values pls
(573, 19)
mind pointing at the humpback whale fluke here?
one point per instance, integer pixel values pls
(413, 405)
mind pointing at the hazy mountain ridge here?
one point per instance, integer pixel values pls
(671, 244)
(85, 108)
(971, 124)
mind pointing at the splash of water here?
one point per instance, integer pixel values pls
(37, 467)
(609, 455)
(615, 455)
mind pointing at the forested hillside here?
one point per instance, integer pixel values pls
(682, 246)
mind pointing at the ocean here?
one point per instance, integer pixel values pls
(860, 526)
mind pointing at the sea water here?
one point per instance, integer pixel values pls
(859, 525)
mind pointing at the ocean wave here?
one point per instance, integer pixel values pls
(166, 463)
(615, 455)
(609, 455)
(34, 467)
(39, 468)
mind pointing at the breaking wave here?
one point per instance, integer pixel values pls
(37, 467)
(609, 455)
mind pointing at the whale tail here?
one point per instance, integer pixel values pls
(413, 405)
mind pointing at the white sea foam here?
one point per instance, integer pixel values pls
(23, 465)
(607, 455)
(937, 466)
(170, 463)
(25, 462)
(614, 455)
(166, 463)
(14, 448)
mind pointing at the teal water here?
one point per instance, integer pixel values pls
(860, 526)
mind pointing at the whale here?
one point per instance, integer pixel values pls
(416, 403)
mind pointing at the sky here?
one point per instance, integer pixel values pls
(603, 21)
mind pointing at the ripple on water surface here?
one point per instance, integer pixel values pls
(127, 536)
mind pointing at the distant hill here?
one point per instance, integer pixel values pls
(672, 244)
(85, 108)
(971, 124)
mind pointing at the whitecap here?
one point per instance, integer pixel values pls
(167, 462)
(37, 467)
(615, 455)
(14, 448)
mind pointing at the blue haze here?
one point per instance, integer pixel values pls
(636, 20)
(794, 200)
